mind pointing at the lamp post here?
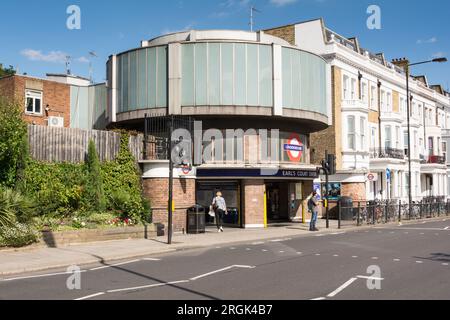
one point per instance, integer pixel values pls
(408, 104)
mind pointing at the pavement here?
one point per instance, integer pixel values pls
(389, 262)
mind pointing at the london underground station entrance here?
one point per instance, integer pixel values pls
(255, 201)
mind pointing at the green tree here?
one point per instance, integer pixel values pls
(13, 142)
(95, 194)
(6, 71)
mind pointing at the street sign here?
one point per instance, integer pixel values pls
(372, 177)
(294, 148)
(388, 175)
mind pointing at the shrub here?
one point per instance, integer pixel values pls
(94, 196)
(13, 141)
(18, 235)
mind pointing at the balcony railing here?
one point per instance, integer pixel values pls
(436, 160)
(387, 153)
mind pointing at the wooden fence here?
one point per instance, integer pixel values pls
(50, 144)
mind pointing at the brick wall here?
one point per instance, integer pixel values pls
(287, 33)
(254, 202)
(54, 94)
(357, 191)
(330, 138)
(157, 191)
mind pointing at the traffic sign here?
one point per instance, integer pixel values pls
(388, 174)
(372, 177)
(294, 148)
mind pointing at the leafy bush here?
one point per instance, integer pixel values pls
(18, 235)
(13, 141)
(94, 197)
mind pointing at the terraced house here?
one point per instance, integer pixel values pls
(369, 131)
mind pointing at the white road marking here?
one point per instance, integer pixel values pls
(445, 264)
(317, 254)
(370, 278)
(337, 233)
(248, 249)
(299, 252)
(345, 285)
(264, 250)
(281, 251)
(277, 240)
(446, 228)
(218, 247)
(258, 243)
(320, 235)
(419, 262)
(422, 233)
(354, 257)
(42, 276)
(146, 287)
(221, 270)
(374, 258)
(335, 255)
(90, 296)
(397, 260)
(232, 248)
(152, 259)
(318, 299)
(115, 265)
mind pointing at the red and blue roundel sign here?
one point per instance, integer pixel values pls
(294, 148)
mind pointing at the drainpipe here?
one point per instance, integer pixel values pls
(379, 117)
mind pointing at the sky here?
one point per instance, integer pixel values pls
(35, 38)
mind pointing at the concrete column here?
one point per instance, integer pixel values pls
(175, 78)
(277, 81)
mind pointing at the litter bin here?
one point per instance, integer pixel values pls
(196, 220)
(346, 207)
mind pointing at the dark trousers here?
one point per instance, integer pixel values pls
(219, 218)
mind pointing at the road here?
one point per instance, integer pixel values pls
(388, 262)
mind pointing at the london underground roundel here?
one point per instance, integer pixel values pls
(294, 148)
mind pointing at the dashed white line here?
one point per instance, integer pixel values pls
(152, 259)
(264, 250)
(335, 255)
(299, 253)
(354, 257)
(345, 285)
(445, 264)
(374, 258)
(115, 265)
(90, 296)
(446, 228)
(41, 276)
(221, 270)
(281, 251)
(258, 243)
(318, 299)
(419, 262)
(148, 286)
(317, 254)
(397, 260)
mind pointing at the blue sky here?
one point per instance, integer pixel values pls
(35, 39)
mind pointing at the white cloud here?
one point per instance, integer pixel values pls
(83, 60)
(439, 54)
(282, 3)
(431, 40)
(52, 56)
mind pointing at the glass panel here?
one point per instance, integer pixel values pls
(252, 74)
(240, 75)
(37, 105)
(119, 84)
(296, 79)
(287, 78)
(29, 105)
(161, 100)
(125, 82)
(187, 56)
(142, 79)
(227, 73)
(151, 76)
(265, 76)
(133, 81)
(201, 75)
(214, 74)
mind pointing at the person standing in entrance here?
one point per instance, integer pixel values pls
(313, 206)
(220, 208)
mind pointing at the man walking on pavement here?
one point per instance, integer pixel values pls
(313, 206)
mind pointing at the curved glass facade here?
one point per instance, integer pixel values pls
(142, 79)
(304, 81)
(227, 74)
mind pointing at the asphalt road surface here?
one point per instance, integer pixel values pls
(391, 262)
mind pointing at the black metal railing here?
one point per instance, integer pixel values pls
(362, 213)
(156, 134)
(387, 153)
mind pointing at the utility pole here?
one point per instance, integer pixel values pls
(171, 166)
